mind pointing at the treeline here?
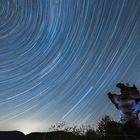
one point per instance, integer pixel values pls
(107, 130)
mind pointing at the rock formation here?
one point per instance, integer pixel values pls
(128, 104)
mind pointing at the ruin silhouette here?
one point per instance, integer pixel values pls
(128, 104)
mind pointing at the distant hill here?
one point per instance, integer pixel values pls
(12, 135)
(17, 135)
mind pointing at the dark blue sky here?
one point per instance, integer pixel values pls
(60, 58)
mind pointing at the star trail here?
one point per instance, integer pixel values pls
(60, 58)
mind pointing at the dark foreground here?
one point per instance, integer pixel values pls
(59, 135)
(107, 130)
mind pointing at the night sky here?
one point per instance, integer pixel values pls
(60, 58)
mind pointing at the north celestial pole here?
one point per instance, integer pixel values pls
(59, 58)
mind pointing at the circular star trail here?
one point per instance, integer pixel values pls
(59, 58)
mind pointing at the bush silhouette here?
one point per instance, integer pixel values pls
(109, 127)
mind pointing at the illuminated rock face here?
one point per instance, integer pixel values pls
(128, 103)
